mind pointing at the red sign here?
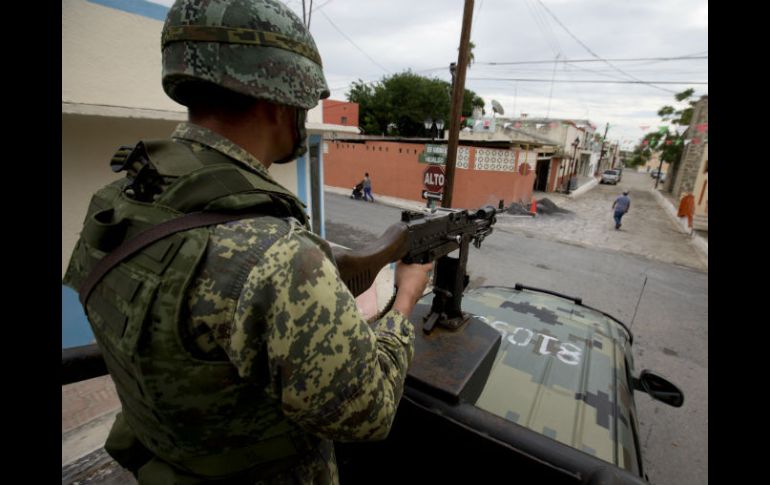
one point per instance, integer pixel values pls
(433, 178)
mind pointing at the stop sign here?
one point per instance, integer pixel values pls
(433, 178)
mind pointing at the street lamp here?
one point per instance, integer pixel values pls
(439, 125)
(429, 123)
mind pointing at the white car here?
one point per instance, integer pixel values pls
(610, 177)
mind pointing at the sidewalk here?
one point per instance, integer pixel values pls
(382, 199)
(584, 185)
(699, 239)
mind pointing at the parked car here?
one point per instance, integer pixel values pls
(610, 177)
(656, 174)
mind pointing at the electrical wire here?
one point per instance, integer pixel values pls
(596, 55)
(353, 43)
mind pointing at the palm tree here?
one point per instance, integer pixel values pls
(471, 57)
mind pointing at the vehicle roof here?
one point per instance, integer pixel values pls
(560, 371)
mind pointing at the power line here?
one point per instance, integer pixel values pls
(583, 81)
(550, 29)
(354, 44)
(441, 68)
(595, 54)
(550, 40)
(321, 6)
(569, 61)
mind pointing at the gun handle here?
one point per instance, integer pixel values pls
(359, 268)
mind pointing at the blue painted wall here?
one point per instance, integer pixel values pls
(138, 7)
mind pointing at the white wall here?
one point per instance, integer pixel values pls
(111, 58)
(88, 143)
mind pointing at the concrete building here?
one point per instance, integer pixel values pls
(112, 96)
(340, 113)
(576, 155)
(654, 163)
(691, 174)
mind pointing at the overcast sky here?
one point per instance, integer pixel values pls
(370, 39)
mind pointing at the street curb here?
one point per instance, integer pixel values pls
(681, 222)
(583, 188)
(700, 244)
(382, 199)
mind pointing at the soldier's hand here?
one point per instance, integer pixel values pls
(411, 280)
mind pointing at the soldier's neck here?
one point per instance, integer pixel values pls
(254, 137)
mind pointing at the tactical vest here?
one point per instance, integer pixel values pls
(196, 414)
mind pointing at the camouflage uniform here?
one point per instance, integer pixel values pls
(267, 301)
(237, 352)
(335, 376)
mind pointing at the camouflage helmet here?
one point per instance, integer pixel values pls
(258, 48)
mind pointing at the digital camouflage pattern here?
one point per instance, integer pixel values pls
(237, 345)
(562, 370)
(258, 48)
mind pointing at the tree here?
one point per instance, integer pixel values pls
(670, 144)
(471, 57)
(403, 101)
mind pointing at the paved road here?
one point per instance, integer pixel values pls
(665, 304)
(647, 230)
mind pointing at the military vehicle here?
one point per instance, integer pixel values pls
(505, 381)
(514, 382)
(552, 399)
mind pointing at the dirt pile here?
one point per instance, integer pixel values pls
(544, 207)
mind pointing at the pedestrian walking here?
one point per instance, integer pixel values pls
(368, 187)
(621, 206)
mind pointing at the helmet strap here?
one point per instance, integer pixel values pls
(300, 146)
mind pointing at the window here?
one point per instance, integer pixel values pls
(344, 120)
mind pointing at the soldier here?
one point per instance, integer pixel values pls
(237, 353)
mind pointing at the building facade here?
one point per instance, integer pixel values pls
(341, 113)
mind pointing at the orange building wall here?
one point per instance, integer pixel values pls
(395, 171)
(333, 111)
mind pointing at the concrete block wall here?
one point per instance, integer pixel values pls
(690, 163)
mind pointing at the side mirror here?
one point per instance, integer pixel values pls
(659, 388)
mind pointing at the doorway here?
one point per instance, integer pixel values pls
(541, 175)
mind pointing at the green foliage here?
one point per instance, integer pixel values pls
(669, 143)
(471, 56)
(403, 101)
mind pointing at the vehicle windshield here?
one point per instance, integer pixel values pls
(610, 172)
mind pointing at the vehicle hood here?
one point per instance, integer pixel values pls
(561, 370)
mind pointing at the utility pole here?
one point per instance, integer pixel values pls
(457, 104)
(604, 140)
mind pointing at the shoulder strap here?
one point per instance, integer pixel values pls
(149, 236)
